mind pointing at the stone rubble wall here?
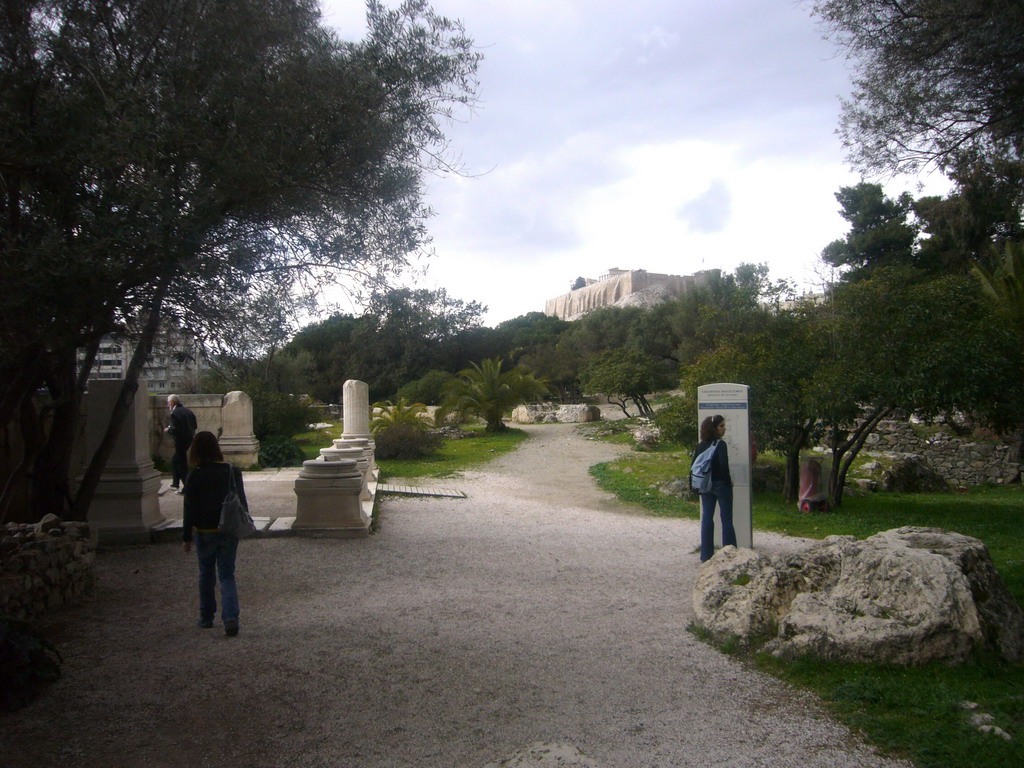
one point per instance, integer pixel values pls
(961, 462)
(44, 566)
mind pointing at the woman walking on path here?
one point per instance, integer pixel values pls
(205, 488)
(712, 429)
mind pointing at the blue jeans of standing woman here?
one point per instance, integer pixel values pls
(720, 494)
(216, 552)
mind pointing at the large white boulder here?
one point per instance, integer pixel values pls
(904, 596)
(578, 413)
(546, 414)
(529, 414)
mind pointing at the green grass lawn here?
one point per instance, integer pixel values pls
(311, 442)
(455, 455)
(913, 712)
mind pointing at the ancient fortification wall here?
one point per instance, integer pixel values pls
(619, 287)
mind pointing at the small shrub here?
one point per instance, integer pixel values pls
(275, 413)
(678, 421)
(404, 441)
(278, 451)
(400, 414)
(27, 661)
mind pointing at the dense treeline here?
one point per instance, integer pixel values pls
(905, 324)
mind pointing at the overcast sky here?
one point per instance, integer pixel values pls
(670, 136)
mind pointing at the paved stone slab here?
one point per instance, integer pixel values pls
(281, 525)
(415, 490)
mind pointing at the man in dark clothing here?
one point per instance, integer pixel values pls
(182, 429)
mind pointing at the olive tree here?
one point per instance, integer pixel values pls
(936, 80)
(182, 159)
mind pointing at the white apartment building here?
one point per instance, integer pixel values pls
(176, 364)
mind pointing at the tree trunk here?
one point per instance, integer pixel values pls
(844, 451)
(622, 404)
(51, 467)
(791, 485)
(17, 396)
(643, 407)
(858, 443)
(91, 478)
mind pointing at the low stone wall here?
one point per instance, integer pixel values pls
(44, 566)
(959, 461)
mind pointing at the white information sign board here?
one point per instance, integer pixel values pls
(732, 401)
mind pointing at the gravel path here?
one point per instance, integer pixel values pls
(537, 609)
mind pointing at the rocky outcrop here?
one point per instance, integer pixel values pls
(905, 596)
(564, 414)
(646, 436)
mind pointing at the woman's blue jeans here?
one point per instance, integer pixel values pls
(721, 494)
(216, 553)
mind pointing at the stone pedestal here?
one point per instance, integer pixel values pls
(362, 464)
(366, 445)
(237, 440)
(126, 505)
(328, 500)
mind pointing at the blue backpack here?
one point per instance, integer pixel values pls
(700, 470)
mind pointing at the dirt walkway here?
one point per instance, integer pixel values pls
(537, 609)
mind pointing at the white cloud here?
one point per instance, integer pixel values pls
(666, 136)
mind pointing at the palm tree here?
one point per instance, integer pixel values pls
(400, 414)
(487, 391)
(1004, 285)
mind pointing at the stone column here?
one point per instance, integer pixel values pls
(237, 440)
(356, 404)
(328, 500)
(126, 505)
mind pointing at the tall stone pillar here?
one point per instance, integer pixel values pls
(238, 443)
(126, 505)
(356, 405)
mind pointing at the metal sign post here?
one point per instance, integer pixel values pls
(732, 402)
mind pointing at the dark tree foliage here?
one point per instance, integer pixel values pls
(777, 361)
(972, 226)
(404, 334)
(880, 231)
(937, 80)
(927, 345)
(624, 375)
(184, 159)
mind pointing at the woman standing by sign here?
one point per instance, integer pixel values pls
(712, 430)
